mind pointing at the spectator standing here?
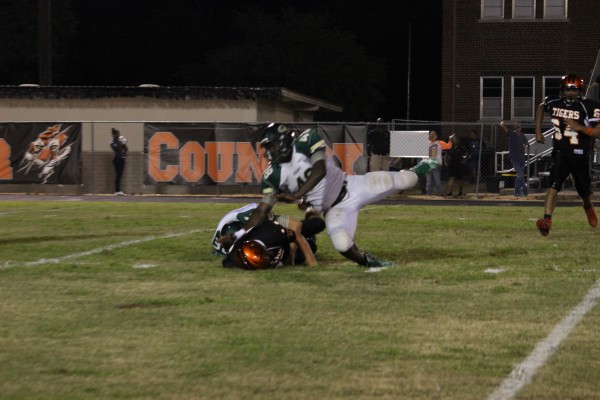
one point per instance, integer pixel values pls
(378, 147)
(474, 152)
(456, 161)
(434, 177)
(119, 146)
(517, 144)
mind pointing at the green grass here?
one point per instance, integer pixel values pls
(123, 301)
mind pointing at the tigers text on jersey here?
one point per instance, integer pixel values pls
(288, 177)
(585, 111)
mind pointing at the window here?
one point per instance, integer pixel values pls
(491, 97)
(524, 9)
(492, 9)
(523, 90)
(555, 9)
(552, 86)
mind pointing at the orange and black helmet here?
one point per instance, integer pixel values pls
(254, 255)
(571, 82)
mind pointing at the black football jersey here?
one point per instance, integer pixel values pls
(586, 112)
(275, 237)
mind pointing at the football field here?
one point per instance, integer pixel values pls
(107, 299)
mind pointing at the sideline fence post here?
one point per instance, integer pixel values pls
(93, 166)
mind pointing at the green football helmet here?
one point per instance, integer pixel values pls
(277, 140)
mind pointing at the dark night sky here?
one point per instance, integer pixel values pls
(130, 42)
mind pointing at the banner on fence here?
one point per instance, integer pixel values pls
(229, 153)
(40, 153)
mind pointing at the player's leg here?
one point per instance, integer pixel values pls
(437, 180)
(341, 225)
(374, 186)
(558, 173)
(583, 184)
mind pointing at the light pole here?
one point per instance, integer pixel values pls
(408, 72)
(45, 42)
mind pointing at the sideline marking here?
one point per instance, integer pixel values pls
(42, 261)
(522, 373)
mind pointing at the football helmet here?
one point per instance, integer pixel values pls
(571, 82)
(254, 255)
(277, 140)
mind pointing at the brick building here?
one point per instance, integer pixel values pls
(502, 57)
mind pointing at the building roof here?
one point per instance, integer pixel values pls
(300, 101)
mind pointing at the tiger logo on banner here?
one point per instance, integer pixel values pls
(46, 153)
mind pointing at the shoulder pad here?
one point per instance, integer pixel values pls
(309, 141)
(271, 179)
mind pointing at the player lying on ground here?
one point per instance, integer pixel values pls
(300, 170)
(270, 245)
(280, 235)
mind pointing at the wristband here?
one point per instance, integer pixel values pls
(239, 234)
(588, 131)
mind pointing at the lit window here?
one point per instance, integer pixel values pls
(492, 9)
(524, 9)
(491, 97)
(555, 9)
(523, 91)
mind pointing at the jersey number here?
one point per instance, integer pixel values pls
(567, 132)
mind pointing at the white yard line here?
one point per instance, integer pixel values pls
(43, 261)
(523, 373)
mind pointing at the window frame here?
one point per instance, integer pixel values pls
(482, 98)
(565, 10)
(514, 9)
(531, 114)
(545, 86)
(483, 8)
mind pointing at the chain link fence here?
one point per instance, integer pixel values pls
(487, 166)
(486, 163)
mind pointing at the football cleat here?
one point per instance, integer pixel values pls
(591, 216)
(425, 165)
(375, 262)
(543, 225)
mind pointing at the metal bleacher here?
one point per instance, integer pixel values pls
(536, 163)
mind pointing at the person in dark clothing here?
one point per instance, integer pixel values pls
(517, 144)
(119, 146)
(571, 146)
(457, 165)
(378, 146)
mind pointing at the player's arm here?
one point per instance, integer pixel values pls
(261, 212)
(317, 173)
(300, 241)
(309, 256)
(539, 118)
(258, 215)
(576, 126)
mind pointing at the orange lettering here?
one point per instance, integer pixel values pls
(251, 163)
(6, 171)
(220, 160)
(154, 149)
(348, 153)
(191, 161)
